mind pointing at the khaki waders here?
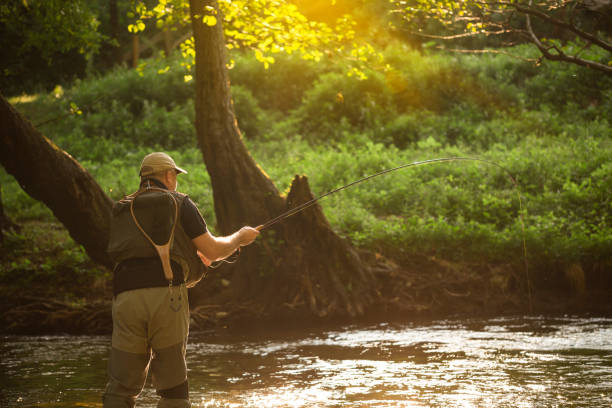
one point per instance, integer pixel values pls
(150, 329)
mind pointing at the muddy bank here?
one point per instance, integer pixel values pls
(428, 288)
(431, 288)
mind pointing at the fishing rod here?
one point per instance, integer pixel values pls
(312, 202)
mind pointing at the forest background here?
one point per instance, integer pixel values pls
(452, 229)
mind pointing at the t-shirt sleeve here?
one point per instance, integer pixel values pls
(191, 219)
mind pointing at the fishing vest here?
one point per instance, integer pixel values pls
(146, 222)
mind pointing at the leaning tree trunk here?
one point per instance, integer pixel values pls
(302, 263)
(50, 175)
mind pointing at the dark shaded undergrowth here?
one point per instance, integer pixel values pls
(36, 301)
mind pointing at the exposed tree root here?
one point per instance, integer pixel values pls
(33, 315)
(427, 288)
(302, 266)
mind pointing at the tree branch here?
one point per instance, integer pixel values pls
(488, 51)
(528, 11)
(456, 36)
(561, 56)
(497, 17)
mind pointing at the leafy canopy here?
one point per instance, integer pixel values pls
(48, 27)
(266, 27)
(571, 31)
(43, 43)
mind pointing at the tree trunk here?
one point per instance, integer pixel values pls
(115, 31)
(242, 192)
(301, 262)
(167, 42)
(135, 50)
(52, 176)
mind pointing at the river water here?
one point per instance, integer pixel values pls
(504, 362)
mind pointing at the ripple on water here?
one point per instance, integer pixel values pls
(520, 362)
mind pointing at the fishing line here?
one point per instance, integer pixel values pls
(310, 203)
(313, 201)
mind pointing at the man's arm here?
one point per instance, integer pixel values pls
(217, 248)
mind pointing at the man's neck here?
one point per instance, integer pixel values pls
(152, 182)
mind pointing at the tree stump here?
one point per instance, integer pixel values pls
(326, 270)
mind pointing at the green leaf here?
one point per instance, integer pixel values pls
(74, 109)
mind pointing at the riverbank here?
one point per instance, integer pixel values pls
(47, 289)
(31, 315)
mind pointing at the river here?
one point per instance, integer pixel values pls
(502, 362)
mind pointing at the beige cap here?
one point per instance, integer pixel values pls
(156, 162)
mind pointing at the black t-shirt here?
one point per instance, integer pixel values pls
(191, 219)
(141, 273)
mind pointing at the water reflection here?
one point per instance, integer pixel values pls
(527, 362)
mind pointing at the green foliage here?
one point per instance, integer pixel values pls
(435, 82)
(573, 32)
(43, 257)
(566, 88)
(279, 87)
(469, 210)
(338, 99)
(249, 115)
(268, 28)
(17, 203)
(558, 149)
(123, 109)
(45, 42)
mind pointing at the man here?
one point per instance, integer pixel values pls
(150, 309)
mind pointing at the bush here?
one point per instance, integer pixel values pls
(250, 117)
(436, 83)
(152, 107)
(569, 88)
(337, 102)
(281, 86)
(404, 130)
(463, 210)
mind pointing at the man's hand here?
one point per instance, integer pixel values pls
(204, 259)
(212, 249)
(247, 235)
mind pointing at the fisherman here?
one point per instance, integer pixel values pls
(150, 309)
